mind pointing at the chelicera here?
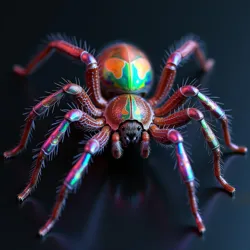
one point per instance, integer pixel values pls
(116, 109)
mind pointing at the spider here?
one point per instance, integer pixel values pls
(116, 109)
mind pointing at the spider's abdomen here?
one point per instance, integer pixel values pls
(124, 69)
(128, 107)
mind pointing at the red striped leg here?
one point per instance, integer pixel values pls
(168, 74)
(42, 107)
(92, 73)
(180, 96)
(171, 136)
(184, 117)
(94, 145)
(50, 145)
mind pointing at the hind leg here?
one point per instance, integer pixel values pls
(169, 72)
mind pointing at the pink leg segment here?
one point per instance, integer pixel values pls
(171, 136)
(179, 97)
(185, 116)
(92, 75)
(94, 145)
(169, 72)
(53, 141)
(42, 107)
(116, 146)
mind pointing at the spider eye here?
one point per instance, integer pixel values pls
(138, 128)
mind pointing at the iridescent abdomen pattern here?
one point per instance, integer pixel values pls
(125, 69)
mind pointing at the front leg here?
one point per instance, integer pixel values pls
(171, 136)
(94, 145)
(80, 97)
(169, 72)
(185, 92)
(61, 46)
(50, 145)
(192, 114)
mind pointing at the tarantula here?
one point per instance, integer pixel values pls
(118, 112)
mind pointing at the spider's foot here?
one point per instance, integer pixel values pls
(46, 228)
(22, 196)
(19, 70)
(230, 189)
(201, 227)
(238, 149)
(7, 154)
(209, 65)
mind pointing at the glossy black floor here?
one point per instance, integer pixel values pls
(95, 218)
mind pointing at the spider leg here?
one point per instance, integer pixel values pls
(42, 107)
(92, 72)
(185, 116)
(145, 148)
(48, 148)
(171, 136)
(185, 92)
(169, 72)
(116, 146)
(72, 180)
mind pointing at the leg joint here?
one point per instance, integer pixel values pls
(174, 58)
(189, 91)
(72, 89)
(74, 115)
(175, 136)
(195, 114)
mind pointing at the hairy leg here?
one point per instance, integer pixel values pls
(169, 72)
(94, 145)
(92, 72)
(42, 107)
(185, 116)
(185, 92)
(48, 148)
(171, 136)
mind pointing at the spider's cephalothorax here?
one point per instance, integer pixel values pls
(124, 69)
(125, 117)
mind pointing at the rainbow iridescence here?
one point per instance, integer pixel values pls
(210, 136)
(126, 68)
(184, 164)
(76, 173)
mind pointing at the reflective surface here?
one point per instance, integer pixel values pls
(130, 203)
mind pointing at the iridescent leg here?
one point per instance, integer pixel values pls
(92, 73)
(42, 107)
(94, 145)
(185, 116)
(168, 74)
(48, 148)
(171, 136)
(180, 96)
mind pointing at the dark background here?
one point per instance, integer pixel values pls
(95, 217)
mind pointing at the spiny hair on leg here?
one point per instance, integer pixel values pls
(177, 44)
(33, 166)
(72, 40)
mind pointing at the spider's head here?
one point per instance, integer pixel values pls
(130, 132)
